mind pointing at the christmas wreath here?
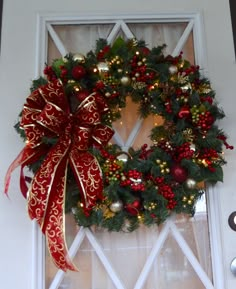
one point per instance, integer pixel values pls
(67, 125)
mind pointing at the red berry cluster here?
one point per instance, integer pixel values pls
(168, 194)
(145, 152)
(183, 152)
(139, 70)
(181, 95)
(64, 73)
(208, 99)
(208, 156)
(112, 169)
(175, 60)
(224, 138)
(102, 53)
(168, 107)
(134, 180)
(50, 74)
(165, 146)
(159, 180)
(190, 70)
(205, 121)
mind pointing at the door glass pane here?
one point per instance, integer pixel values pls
(174, 269)
(128, 252)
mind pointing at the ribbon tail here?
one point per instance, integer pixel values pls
(23, 186)
(27, 156)
(46, 202)
(88, 175)
(54, 221)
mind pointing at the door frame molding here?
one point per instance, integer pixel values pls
(44, 21)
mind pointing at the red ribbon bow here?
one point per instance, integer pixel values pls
(47, 114)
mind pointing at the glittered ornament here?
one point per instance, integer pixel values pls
(190, 183)
(116, 207)
(79, 57)
(178, 173)
(78, 72)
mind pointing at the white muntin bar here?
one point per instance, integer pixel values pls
(191, 257)
(72, 252)
(152, 256)
(57, 41)
(98, 249)
(183, 39)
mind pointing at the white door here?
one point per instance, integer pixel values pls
(170, 233)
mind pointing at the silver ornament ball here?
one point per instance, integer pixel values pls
(116, 206)
(125, 80)
(173, 69)
(190, 183)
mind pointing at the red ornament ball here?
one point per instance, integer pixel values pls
(133, 208)
(78, 72)
(179, 173)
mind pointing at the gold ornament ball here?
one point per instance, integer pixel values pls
(173, 69)
(116, 206)
(190, 183)
(79, 57)
(125, 80)
(190, 202)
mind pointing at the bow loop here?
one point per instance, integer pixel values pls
(81, 138)
(54, 93)
(102, 134)
(53, 118)
(88, 112)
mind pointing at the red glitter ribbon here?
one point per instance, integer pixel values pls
(47, 114)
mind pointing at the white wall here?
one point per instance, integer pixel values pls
(17, 64)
